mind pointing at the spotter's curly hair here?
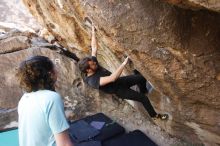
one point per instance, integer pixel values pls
(36, 73)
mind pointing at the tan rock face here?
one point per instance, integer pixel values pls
(177, 50)
(14, 44)
(15, 15)
(213, 5)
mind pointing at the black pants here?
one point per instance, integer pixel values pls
(124, 91)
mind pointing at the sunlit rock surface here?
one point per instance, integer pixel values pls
(15, 15)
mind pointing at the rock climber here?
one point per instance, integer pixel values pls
(100, 78)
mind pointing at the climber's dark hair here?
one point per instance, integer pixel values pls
(83, 64)
(36, 73)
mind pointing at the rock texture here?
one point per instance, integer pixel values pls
(213, 5)
(15, 15)
(176, 49)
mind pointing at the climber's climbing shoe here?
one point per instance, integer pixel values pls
(149, 87)
(161, 117)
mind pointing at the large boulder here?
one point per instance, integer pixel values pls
(176, 49)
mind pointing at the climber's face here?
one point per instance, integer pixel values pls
(92, 66)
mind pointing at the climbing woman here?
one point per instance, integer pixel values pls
(102, 79)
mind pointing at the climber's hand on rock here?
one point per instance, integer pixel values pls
(93, 29)
(125, 61)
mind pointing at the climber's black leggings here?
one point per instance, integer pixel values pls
(124, 91)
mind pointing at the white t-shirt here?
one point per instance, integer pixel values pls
(41, 115)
